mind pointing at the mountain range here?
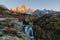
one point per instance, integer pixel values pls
(38, 13)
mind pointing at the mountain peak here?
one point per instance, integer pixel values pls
(23, 8)
(2, 6)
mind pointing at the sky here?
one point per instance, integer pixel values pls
(35, 4)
